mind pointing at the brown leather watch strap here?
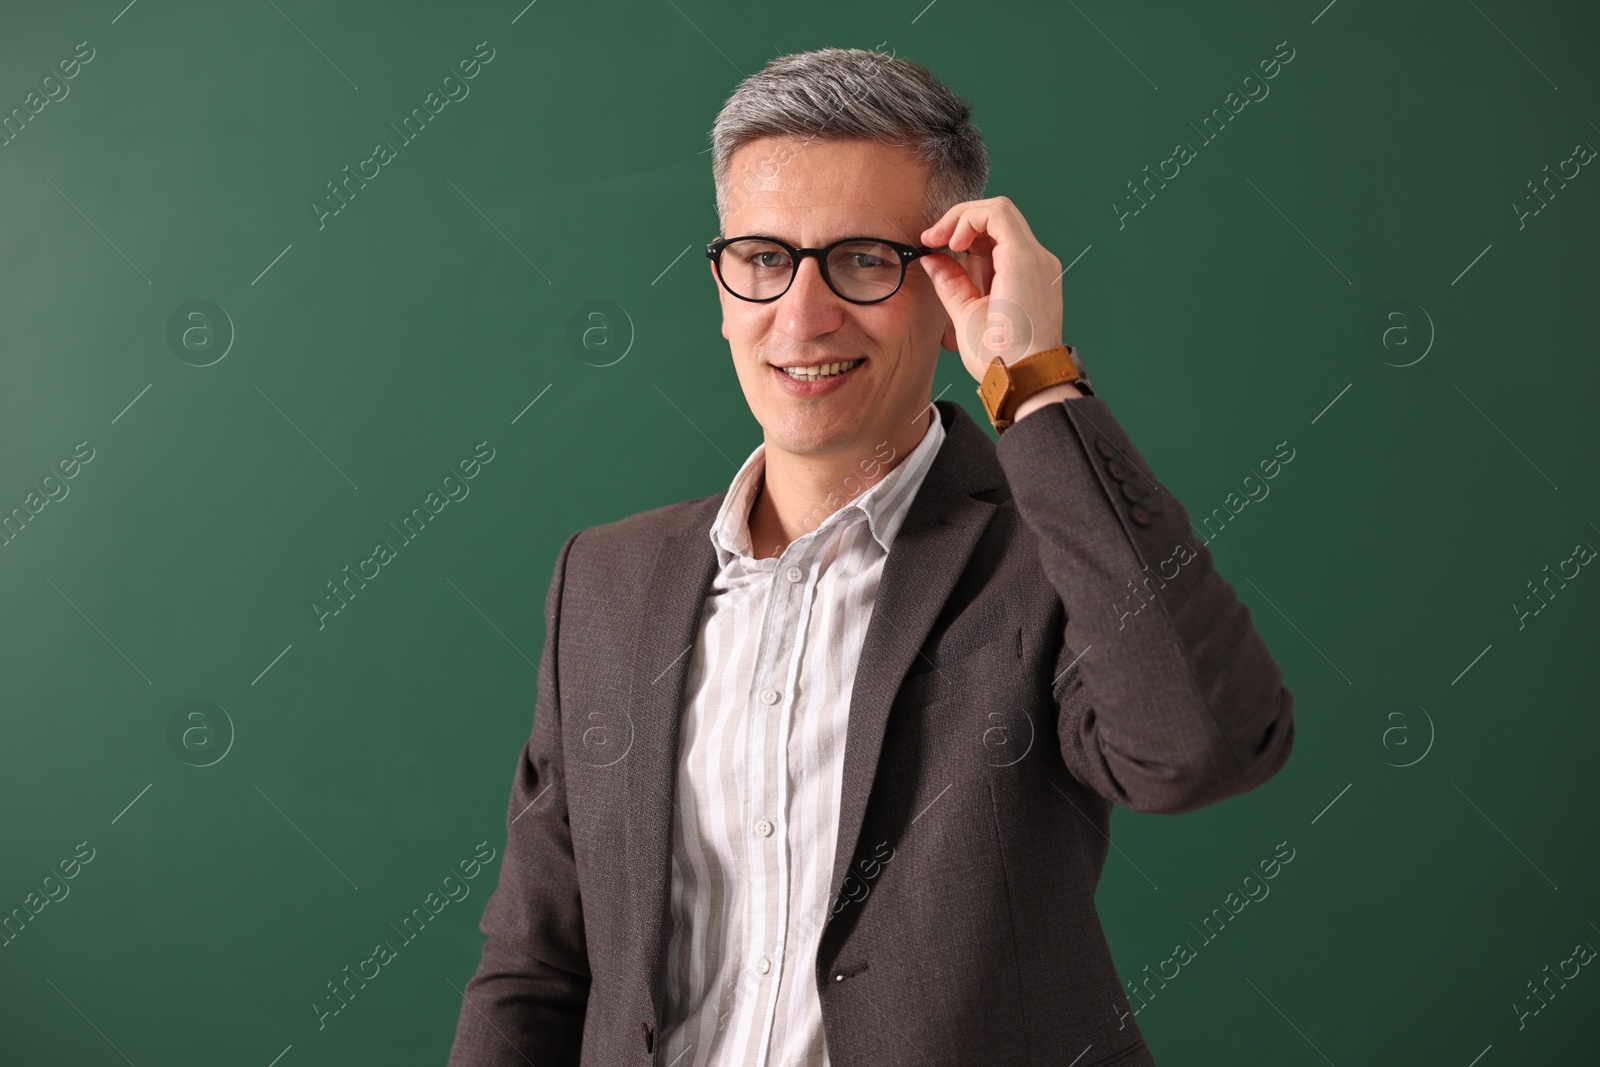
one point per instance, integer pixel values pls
(1006, 385)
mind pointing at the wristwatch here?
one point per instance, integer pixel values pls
(1006, 385)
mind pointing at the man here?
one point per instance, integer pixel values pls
(822, 766)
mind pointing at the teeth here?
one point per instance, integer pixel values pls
(827, 370)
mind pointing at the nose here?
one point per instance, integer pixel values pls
(809, 309)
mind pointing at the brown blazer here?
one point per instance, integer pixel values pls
(1012, 687)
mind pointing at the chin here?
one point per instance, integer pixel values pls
(808, 436)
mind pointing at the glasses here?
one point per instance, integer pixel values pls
(862, 270)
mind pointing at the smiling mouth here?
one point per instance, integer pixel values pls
(826, 370)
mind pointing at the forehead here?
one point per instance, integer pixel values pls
(809, 191)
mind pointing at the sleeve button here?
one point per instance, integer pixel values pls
(1105, 448)
(1131, 492)
(1114, 469)
(1140, 515)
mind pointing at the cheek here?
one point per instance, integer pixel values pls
(735, 319)
(744, 331)
(903, 327)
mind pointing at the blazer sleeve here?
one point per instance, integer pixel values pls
(1168, 698)
(528, 999)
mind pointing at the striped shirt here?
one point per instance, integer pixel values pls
(761, 763)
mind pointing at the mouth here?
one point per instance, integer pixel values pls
(820, 372)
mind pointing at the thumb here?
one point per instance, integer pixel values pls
(951, 282)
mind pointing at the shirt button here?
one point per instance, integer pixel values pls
(763, 827)
(794, 574)
(764, 965)
(769, 696)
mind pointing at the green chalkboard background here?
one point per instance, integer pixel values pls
(247, 395)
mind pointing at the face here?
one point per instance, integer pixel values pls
(811, 194)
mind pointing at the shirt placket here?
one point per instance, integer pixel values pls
(774, 690)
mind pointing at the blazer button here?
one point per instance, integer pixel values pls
(1140, 515)
(1130, 492)
(1114, 469)
(1105, 448)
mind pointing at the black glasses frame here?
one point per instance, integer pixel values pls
(906, 252)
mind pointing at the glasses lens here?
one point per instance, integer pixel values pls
(754, 268)
(758, 269)
(865, 270)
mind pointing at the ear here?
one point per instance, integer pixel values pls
(722, 298)
(948, 340)
(947, 336)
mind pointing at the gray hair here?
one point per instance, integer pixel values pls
(835, 94)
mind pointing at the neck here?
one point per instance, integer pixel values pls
(799, 493)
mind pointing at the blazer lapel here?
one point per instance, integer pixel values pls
(928, 555)
(668, 619)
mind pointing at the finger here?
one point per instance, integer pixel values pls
(979, 264)
(970, 237)
(951, 283)
(998, 220)
(969, 234)
(981, 268)
(939, 233)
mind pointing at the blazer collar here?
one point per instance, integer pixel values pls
(930, 551)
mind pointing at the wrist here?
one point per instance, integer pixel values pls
(1053, 394)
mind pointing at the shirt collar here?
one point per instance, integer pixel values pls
(884, 505)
